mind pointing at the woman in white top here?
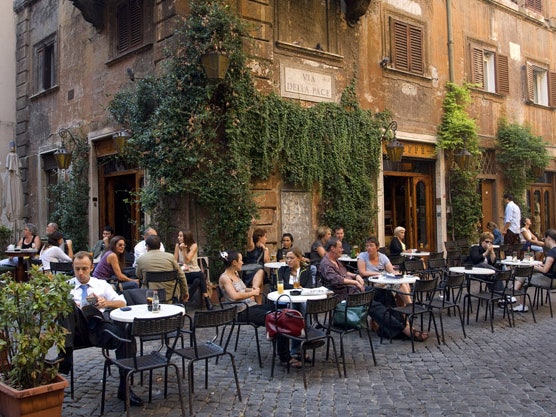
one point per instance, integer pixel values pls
(185, 253)
(529, 240)
(51, 252)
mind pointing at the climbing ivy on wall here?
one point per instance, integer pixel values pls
(213, 140)
(519, 152)
(458, 131)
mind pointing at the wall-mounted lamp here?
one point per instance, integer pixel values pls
(120, 139)
(62, 155)
(215, 65)
(394, 148)
(464, 159)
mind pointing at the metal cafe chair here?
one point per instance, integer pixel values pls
(146, 327)
(218, 320)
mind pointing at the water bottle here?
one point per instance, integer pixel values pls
(156, 302)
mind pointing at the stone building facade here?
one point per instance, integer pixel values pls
(73, 55)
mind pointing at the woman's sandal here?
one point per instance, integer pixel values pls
(419, 335)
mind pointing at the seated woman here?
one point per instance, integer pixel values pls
(493, 228)
(287, 243)
(51, 251)
(112, 263)
(482, 255)
(235, 290)
(257, 255)
(185, 254)
(372, 262)
(543, 275)
(317, 249)
(397, 246)
(529, 241)
(295, 269)
(30, 240)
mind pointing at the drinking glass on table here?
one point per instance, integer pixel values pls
(150, 295)
(280, 285)
(296, 283)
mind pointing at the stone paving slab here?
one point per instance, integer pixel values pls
(505, 373)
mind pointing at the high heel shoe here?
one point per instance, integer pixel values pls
(208, 303)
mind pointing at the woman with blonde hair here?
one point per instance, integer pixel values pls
(397, 246)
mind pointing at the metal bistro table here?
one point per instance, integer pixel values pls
(306, 294)
(396, 280)
(21, 267)
(140, 311)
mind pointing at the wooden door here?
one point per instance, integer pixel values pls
(541, 207)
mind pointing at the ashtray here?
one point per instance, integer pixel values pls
(468, 267)
(295, 292)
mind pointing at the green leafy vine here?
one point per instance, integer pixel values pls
(213, 140)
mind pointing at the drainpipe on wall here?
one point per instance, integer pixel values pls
(450, 40)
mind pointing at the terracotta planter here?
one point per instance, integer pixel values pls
(43, 401)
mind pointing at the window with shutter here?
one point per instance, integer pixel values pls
(540, 88)
(552, 89)
(130, 25)
(45, 64)
(407, 47)
(489, 70)
(534, 5)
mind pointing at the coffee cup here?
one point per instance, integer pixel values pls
(11, 247)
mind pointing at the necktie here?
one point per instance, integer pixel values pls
(84, 294)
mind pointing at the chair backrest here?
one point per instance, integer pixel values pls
(453, 257)
(396, 259)
(523, 272)
(462, 243)
(450, 245)
(505, 250)
(436, 255)
(412, 265)
(65, 268)
(324, 305)
(214, 318)
(360, 299)
(163, 277)
(454, 280)
(143, 327)
(436, 263)
(503, 276)
(423, 290)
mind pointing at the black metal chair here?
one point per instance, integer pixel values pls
(364, 300)
(317, 332)
(65, 268)
(218, 320)
(489, 294)
(244, 307)
(451, 288)
(416, 267)
(422, 296)
(397, 261)
(525, 272)
(437, 267)
(155, 326)
(157, 279)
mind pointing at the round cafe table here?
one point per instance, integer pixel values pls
(21, 267)
(472, 271)
(140, 311)
(416, 254)
(306, 294)
(274, 265)
(386, 280)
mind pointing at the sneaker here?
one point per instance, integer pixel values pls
(521, 308)
(512, 300)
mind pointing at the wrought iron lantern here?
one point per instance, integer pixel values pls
(215, 65)
(394, 148)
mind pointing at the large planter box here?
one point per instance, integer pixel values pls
(43, 401)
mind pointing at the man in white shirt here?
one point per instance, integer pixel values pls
(141, 247)
(512, 219)
(90, 332)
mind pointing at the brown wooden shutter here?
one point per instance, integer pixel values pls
(416, 50)
(400, 44)
(407, 47)
(534, 4)
(477, 70)
(136, 23)
(122, 16)
(552, 89)
(530, 86)
(502, 74)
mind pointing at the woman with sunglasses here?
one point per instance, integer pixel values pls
(482, 255)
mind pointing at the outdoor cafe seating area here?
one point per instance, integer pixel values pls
(443, 289)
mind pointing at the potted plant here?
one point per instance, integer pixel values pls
(30, 325)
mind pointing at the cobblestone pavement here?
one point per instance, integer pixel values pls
(505, 373)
